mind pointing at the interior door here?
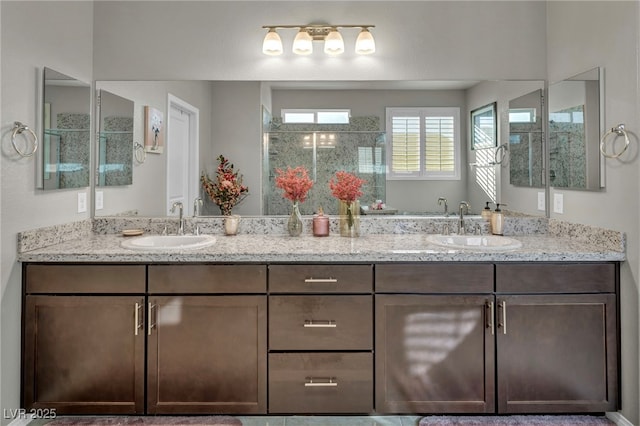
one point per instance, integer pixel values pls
(183, 169)
(178, 157)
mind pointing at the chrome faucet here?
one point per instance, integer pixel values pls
(181, 223)
(446, 206)
(464, 208)
(197, 205)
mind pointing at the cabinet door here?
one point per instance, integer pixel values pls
(84, 354)
(435, 354)
(557, 353)
(207, 354)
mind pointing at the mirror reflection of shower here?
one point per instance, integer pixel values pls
(323, 149)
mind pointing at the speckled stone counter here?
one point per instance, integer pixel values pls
(558, 242)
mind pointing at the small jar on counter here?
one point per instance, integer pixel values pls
(320, 224)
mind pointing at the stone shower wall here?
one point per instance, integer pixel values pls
(73, 165)
(355, 145)
(116, 151)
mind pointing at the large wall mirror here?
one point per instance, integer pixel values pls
(575, 125)
(66, 135)
(231, 115)
(115, 140)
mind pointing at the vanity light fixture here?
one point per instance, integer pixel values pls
(307, 34)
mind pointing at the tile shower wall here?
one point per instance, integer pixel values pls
(73, 163)
(567, 154)
(116, 152)
(358, 148)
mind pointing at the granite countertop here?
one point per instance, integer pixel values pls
(281, 248)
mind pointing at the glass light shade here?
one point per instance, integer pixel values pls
(272, 44)
(365, 44)
(303, 43)
(333, 43)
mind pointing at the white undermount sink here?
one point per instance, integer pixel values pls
(168, 242)
(475, 242)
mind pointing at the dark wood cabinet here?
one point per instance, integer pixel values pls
(555, 348)
(435, 348)
(557, 352)
(83, 338)
(207, 339)
(390, 338)
(321, 339)
(207, 354)
(84, 348)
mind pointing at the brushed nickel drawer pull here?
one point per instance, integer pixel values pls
(502, 306)
(320, 324)
(320, 280)
(491, 313)
(150, 324)
(320, 382)
(137, 325)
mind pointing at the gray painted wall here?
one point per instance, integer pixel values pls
(34, 34)
(579, 39)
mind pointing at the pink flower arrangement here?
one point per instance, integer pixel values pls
(227, 189)
(295, 183)
(346, 186)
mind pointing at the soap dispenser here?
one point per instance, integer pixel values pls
(486, 212)
(497, 220)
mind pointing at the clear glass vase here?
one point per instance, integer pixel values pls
(349, 218)
(294, 225)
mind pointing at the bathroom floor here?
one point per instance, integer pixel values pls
(313, 421)
(330, 421)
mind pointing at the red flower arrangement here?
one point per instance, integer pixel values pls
(346, 186)
(227, 189)
(295, 183)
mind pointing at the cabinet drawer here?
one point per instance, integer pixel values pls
(207, 279)
(434, 278)
(84, 278)
(320, 322)
(556, 278)
(321, 383)
(320, 278)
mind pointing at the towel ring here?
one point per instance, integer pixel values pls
(139, 153)
(18, 129)
(619, 131)
(500, 154)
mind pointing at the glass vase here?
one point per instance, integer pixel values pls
(294, 225)
(231, 223)
(349, 212)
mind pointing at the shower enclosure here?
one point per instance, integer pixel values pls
(323, 149)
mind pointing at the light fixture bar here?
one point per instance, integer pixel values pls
(333, 42)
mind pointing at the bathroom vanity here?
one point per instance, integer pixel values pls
(266, 324)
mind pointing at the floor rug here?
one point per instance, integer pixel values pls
(147, 421)
(516, 421)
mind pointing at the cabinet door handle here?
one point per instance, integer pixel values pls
(320, 280)
(320, 382)
(137, 324)
(490, 308)
(502, 306)
(320, 324)
(150, 323)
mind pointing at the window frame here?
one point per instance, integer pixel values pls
(315, 112)
(423, 112)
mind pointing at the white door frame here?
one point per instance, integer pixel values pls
(193, 189)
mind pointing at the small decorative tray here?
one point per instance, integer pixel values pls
(132, 232)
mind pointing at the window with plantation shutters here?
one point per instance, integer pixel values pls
(423, 143)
